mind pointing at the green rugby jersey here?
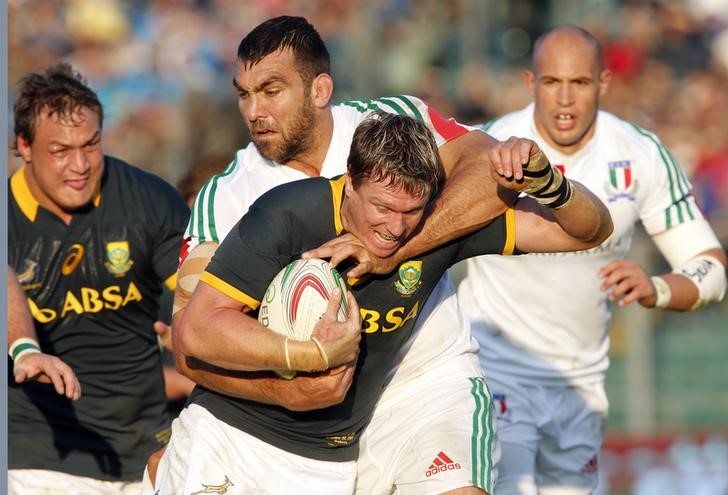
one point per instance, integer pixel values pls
(93, 287)
(279, 226)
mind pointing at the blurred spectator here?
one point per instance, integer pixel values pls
(199, 172)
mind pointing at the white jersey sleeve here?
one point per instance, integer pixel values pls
(667, 200)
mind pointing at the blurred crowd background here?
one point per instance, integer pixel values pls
(163, 70)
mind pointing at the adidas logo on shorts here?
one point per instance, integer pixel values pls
(441, 463)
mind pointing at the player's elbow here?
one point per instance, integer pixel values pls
(185, 340)
(592, 234)
(602, 230)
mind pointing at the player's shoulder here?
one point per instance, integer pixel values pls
(510, 124)
(246, 166)
(246, 161)
(626, 134)
(123, 174)
(296, 196)
(399, 104)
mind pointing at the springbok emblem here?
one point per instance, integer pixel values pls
(222, 488)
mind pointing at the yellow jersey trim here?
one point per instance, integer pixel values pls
(21, 192)
(510, 244)
(337, 193)
(171, 282)
(25, 199)
(229, 290)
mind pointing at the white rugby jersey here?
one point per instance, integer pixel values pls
(441, 331)
(542, 316)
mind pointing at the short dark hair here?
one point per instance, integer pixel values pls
(279, 33)
(58, 89)
(397, 150)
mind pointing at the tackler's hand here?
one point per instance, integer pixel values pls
(509, 159)
(349, 247)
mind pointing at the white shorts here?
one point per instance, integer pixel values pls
(45, 482)
(206, 455)
(551, 437)
(431, 434)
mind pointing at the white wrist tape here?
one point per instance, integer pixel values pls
(22, 346)
(708, 275)
(662, 291)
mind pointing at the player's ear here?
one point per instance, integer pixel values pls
(605, 77)
(530, 79)
(23, 147)
(322, 88)
(348, 185)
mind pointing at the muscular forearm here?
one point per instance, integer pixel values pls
(324, 391)
(470, 198)
(20, 321)
(215, 329)
(227, 338)
(582, 223)
(239, 384)
(585, 218)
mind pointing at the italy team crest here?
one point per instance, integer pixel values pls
(621, 182)
(620, 174)
(118, 255)
(409, 277)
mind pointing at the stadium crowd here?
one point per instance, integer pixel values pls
(162, 67)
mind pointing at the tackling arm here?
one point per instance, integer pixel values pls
(471, 197)
(581, 223)
(480, 186)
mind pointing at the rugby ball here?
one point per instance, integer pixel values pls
(297, 298)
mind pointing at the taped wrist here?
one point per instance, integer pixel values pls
(662, 292)
(22, 346)
(545, 183)
(708, 275)
(305, 355)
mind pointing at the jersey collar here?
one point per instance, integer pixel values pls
(337, 194)
(25, 199)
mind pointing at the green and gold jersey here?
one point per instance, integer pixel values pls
(93, 287)
(279, 226)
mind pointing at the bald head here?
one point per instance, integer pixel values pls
(571, 38)
(567, 81)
